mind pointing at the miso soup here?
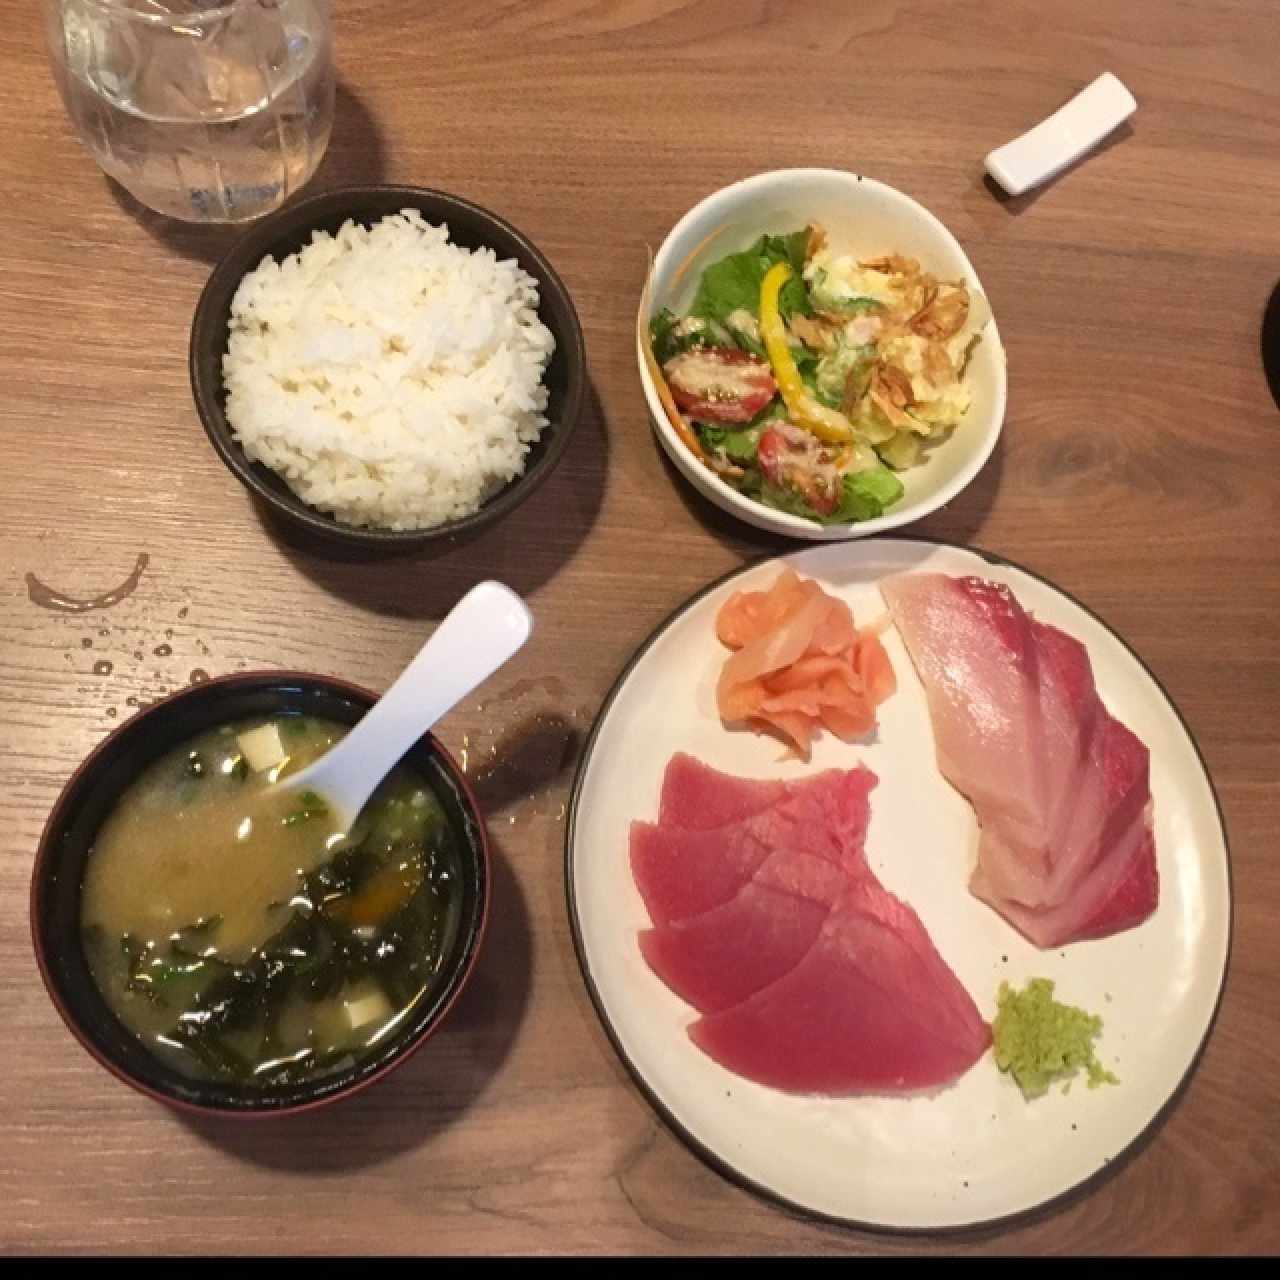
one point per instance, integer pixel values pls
(243, 938)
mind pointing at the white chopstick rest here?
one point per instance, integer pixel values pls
(1064, 137)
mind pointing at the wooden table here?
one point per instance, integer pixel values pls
(1137, 470)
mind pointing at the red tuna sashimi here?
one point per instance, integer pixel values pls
(1122, 888)
(974, 649)
(682, 872)
(863, 1012)
(698, 797)
(825, 816)
(879, 904)
(722, 956)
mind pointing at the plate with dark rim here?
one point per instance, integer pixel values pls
(976, 1153)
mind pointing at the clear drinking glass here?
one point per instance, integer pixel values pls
(205, 112)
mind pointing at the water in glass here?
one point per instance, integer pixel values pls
(206, 112)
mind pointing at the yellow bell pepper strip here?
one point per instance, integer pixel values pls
(803, 408)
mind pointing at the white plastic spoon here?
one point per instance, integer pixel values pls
(482, 631)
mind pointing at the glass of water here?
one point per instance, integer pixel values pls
(205, 112)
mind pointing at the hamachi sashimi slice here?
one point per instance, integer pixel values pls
(1116, 895)
(1118, 889)
(861, 1013)
(974, 650)
(1072, 716)
(1098, 779)
(1060, 788)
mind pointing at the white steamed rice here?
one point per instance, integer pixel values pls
(391, 378)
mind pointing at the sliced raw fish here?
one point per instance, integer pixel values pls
(1122, 887)
(682, 872)
(1118, 894)
(825, 816)
(1071, 716)
(862, 1012)
(879, 904)
(698, 797)
(1060, 788)
(724, 955)
(1085, 757)
(809, 975)
(975, 652)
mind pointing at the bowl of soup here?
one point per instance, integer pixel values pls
(216, 941)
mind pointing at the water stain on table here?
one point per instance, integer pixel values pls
(49, 598)
(525, 750)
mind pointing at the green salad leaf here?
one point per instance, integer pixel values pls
(738, 445)
(670, 335)
(867, 494)
(733, 283)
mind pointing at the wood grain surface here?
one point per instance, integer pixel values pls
(1137, 471)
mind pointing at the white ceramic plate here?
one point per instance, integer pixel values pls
(976, 1153)
(864, 217)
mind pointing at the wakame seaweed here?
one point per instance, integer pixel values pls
(313, 955)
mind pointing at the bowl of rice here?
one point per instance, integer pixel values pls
(387, 366)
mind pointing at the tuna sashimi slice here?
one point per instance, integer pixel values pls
(863, 1012)
(825, 816)
(722, 956)
(682, 872)
(879, 904)
(698, 797)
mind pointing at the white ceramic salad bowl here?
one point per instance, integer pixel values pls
(863, 217)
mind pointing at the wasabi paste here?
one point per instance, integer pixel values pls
(1039, 1041)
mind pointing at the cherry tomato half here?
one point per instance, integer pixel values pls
(720, 384)
(793, 459)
